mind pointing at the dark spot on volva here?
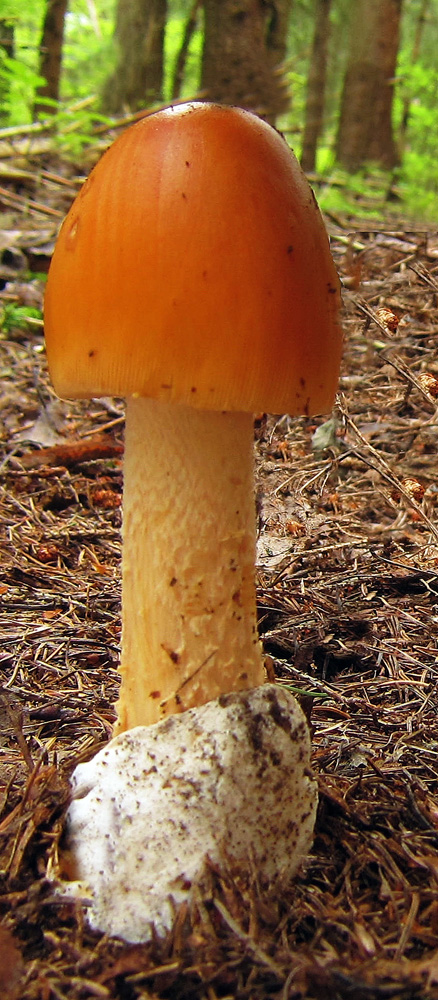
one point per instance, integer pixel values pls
(193, 389)
(290, 249)
(92, 353)
(187, 163)
(332, 290)
(173, 581)
(255, 725)
(281, 717)
(302, 382)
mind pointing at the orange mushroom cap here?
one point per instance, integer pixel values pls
(194, 267)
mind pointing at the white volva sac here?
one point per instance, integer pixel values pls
(228, 781)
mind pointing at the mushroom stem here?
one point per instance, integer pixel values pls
(189, 610)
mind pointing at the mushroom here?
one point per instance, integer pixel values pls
(193, 276)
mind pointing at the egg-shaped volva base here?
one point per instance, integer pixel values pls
(228, 781)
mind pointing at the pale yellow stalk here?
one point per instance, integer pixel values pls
(189, 611)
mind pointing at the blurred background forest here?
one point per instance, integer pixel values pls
(352, 83)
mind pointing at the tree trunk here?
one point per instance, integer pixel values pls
(314, 113)
(365, 127)
(277, 31)
(138, 79)
(51, 55)
(244, 46)
(6, 49)
(180, 62)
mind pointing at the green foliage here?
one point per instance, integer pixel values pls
(73, 127)
(367, 194)
(87, 54)
(89, 51)
(363, 193)
(14, 317)
(416, 96)
(19, 76)
(18, 83)
(418, 184)
(418, 87)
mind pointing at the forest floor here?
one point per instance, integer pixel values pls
(348, 604)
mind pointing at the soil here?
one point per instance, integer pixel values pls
(348, 613)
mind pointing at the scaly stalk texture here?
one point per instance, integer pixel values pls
(189, 611)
